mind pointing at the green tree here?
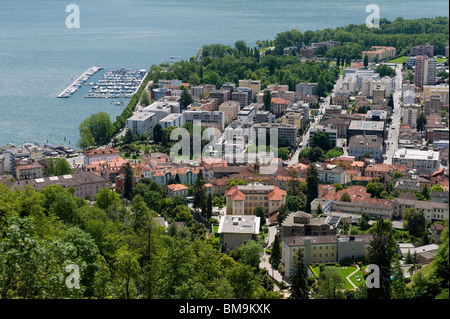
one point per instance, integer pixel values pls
(209, 207)
(322, 140)
(145, 98)
(366, 60)
(298, 276)
(57, 167)
(259, 212)
(275, 256)
(381, 252)
(185, 99)
(330, 284)
(157, 133)
(345, 197)
(421, 122)
(128, 181)
(267, 98)
(127, 267)
(414, 222)
(437, 188)
(97, 127)
(312, 192)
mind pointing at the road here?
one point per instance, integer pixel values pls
(394, 129)
(305, 138)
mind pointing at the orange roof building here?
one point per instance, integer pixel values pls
(243, 199)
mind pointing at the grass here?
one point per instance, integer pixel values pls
(344, 273)
(400, 60)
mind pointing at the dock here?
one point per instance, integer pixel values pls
(79, 82)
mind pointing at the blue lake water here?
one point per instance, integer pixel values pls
(39, 55)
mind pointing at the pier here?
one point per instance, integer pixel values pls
(79, 82)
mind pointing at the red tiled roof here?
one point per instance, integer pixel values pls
(177, 187)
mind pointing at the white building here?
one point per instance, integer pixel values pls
(142, 123)
(410, 112)
(176, 119)
(247, 114)
(408, 97)
(207, 119)
(427, 161)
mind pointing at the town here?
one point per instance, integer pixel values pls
(362, 147)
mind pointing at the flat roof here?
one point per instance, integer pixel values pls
(366, 125)
(239, 224)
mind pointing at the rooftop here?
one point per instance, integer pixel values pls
(239, 224)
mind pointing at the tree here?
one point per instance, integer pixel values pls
(316, 155)
(185, 99)
(199, 192)
(57, 167)
(329, 285)
(322, 140)
(421, 122)
(345, 197)
(298, 277)
(106, 198)
(97, 127)
(157, 133)
(251, 253)
(128, 181)
(127, 267)
(145, 98)
(275, 256)
(209, 206)
(425, 192)
(436, 188)
(312, 191)
(267, 99)
(259, 212)
(366, 60)
(414, 222)
(381, 252)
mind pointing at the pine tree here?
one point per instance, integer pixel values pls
(275, 257)
(312, 190)
(128, 181)
(299, 288)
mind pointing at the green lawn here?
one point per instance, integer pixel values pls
(400, 60)
(344, 272)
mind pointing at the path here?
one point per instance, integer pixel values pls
(348, 277)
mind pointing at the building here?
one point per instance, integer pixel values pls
(221, 95)
(142, 123)
(425, 71)
(441, 90)
(410, 112)
(333, 109)
(379, 53)
(379, 94)
(303, 224)
(86, 184)
(293, 118)
(25, 170)
(278, 106)
(230, 110)
(176, 119)
(377, 128)
(409, 97)
(376, 208)
(207, 119)
(426, 161)
(360, 145)
(427, 50)
(107, 169)
(332, 133)
(247, 114)
(304, 88)
(323, 249)
(234, 230)
(243, 95)
(433, 105)
(287, 133)
(101, 154)
(243, 199)
(198, 92)
(255, 85)
(376, 115)
(433, 211)
(177, 190)
(330, 174)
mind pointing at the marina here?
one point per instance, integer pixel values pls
(79, 82)
(122, 83)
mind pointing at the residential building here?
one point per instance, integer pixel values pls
(427, 50)
(278, 106)
(287, 133)
(440, 90)
(293, 118)
(141, 123)
(377, 128)
(107, 169)
(332, 133)
(330, 174)
(263, 117)
(207, 119)
(86, 184)
(426, 161)
(230, 110)
(247, 114)
(28, 170)
(234, 230)
(360, 145)
(376, 208)
(255, 85)
(409, 97)
(433, 211)
(101, 154)
(177, 190)
(304, 88)
(379, 53)
(311, 99)
(243, 95)
(243, 199)
(176, 119)
(221, 95)
(333, 109)
(410, 112)
(433, 105)
(198, 91)
(376, 115)
(425, 71)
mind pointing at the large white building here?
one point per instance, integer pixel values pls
(142, 123)
(207, 119)
(427, 161)
(176, 119)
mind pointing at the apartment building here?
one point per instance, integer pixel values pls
(379, 53)
(207, 119)
(278, 106)
(425, 71)
(105, 154)
(410, 112)
(176, 119)
(439, 90)
(304, 88)
(427, 50)
(142, 123)
(287, 133)
(255, 85)
(330, 174)
(360, 145)
(426, 161)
